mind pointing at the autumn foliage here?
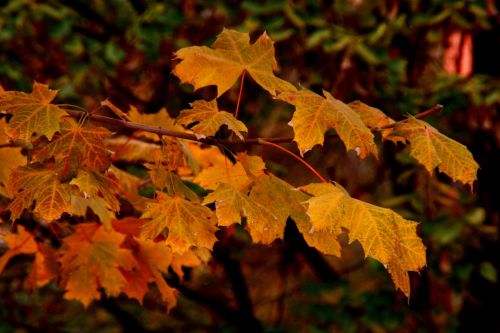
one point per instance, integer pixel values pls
(59, 165)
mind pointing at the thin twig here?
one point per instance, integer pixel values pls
(298, 158)
(239, 95)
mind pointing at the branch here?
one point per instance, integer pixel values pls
(167, 132)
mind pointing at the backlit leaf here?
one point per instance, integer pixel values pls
(373, 118)
(232, 204)
(209, 119)
(160, 118)
(238, 175)
(10, 159)
(92, 259)
(93, 184)
(36, 184)
(32, 113)
(78, 146)
(153, 259)
(433, 149)
(166, 179)
(383, 234)
(281, 201)
(314, 115)
(230, 55)
(189, 224)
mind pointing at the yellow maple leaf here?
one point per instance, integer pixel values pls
(209, 119)
(160, 118)
(92, 258)
(35, 183)
(238, 175)
(232, 203)
(200, 158)
(231, 54)
(98, 192)
(281, 201)
(383, 234)
(373, 118)
(93, 184)
(32, 113)
(78, 146)
(433, 149)
(163, 178)
(314, 115)
(188, 223)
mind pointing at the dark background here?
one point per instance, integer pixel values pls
(394, 55)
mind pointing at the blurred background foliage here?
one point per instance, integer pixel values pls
(400, 56)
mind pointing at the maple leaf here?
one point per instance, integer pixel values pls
(132, 150)
(433, 149)
(45, 267)
(21, 242)
(160, 118)
(281, 201)
(185, 259)
(239, 175)
(171, 151)
(231, 54)
(231, 204)
(315, 114)
(78, 146)
(97, 192)
(32, 113)
(153, 259)
(10, 159)
(80, 204)
(94, 184)
(129, 187)
(188, 223)
(209, 119)
(92, 258)
(35, 183)
(383, 234)
(200, 157)
(373, 118)
(165, 179)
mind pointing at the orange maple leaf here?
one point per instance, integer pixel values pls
(231, 54)
(314, 115)
(209, 119)
(188, 223)
(383, 234)
(32, 113)
(92, 257)
(77, 146)
(40, 185)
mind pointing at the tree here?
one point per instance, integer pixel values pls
(64, 171)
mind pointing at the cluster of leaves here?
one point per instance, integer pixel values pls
(66, 175)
